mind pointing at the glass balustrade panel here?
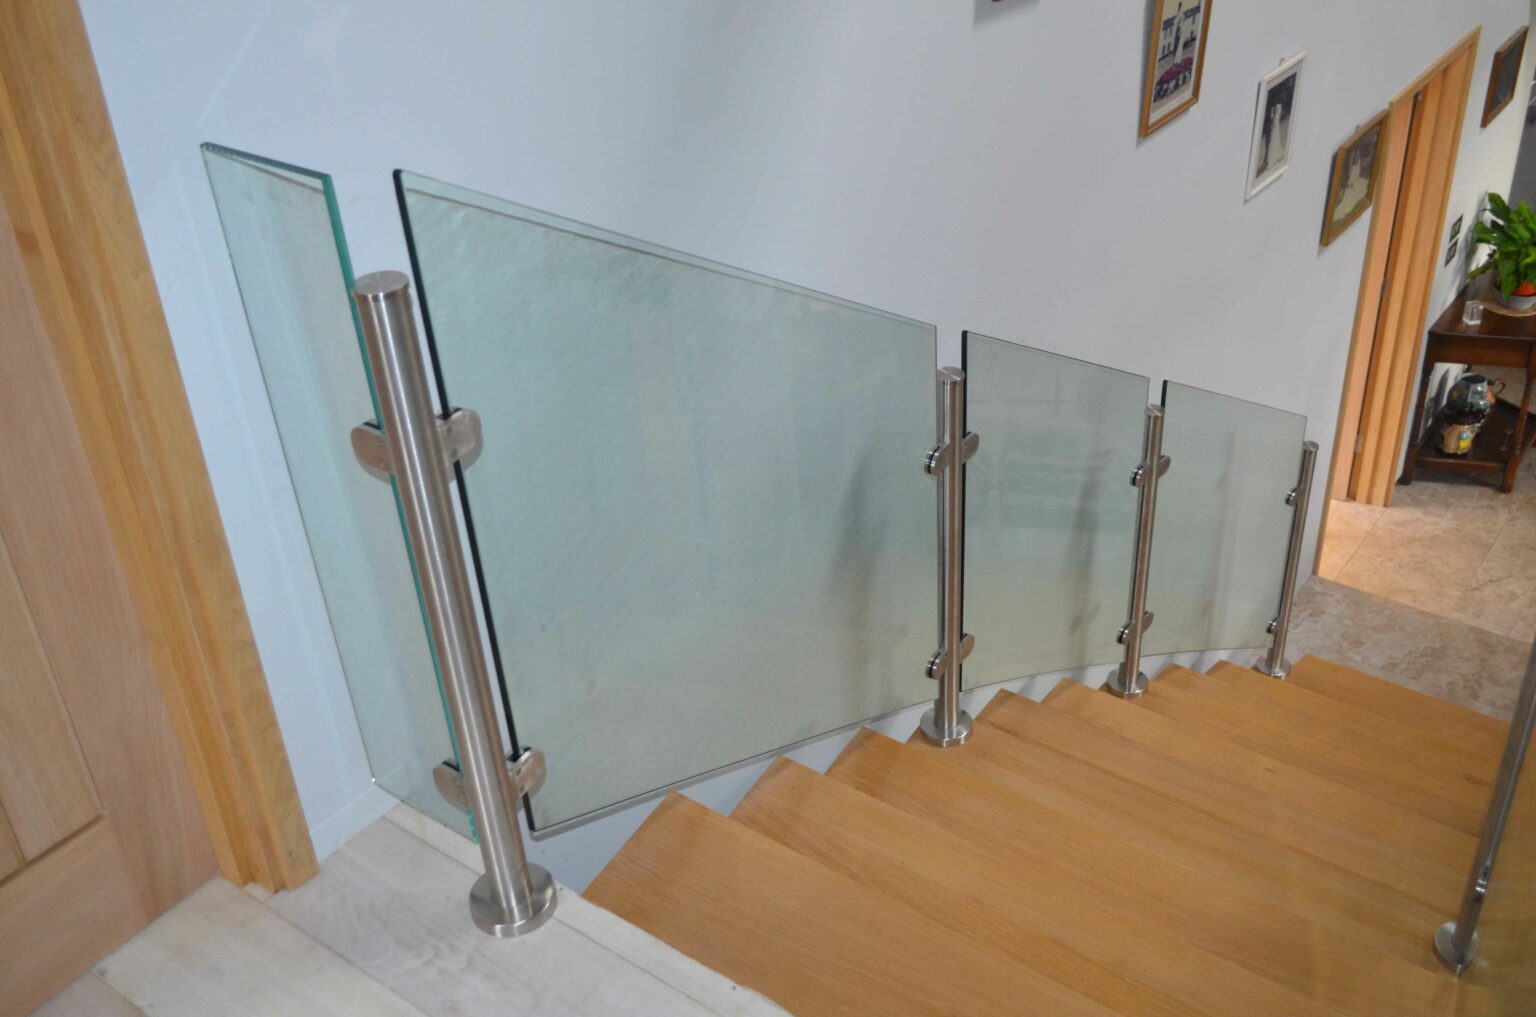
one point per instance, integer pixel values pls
(1223, 525)
(1050, 510)
(291, 264)
(700, 511)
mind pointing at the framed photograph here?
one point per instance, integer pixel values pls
(1352, 187)
(1274, 124)
(1175, 60)
(1504, 76)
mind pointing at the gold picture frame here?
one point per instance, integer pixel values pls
(1175, 60)
(1504, 76)
(1350, 172)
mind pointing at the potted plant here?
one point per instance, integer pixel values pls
(1510, 233)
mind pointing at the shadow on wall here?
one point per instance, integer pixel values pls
(986, 9)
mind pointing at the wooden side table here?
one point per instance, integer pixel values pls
(1502, 340)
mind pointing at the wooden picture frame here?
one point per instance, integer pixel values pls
(1506, 60)
(1345, 176)
(1169, 58)
(1269, 153)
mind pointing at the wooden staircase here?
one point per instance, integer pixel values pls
(1228, 845)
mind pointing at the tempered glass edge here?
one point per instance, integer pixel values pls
(969, 334)
(1167, 382)
(344, 260)
(497, 665)
(550, 220)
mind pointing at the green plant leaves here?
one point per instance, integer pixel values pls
(1511, 235)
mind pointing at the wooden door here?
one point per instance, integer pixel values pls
(100, 829)
(1406, 237)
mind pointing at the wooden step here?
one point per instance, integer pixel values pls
(1305, 953)
(1445, 720)
(1268, 777)
(1474, 766)
(1197, 703)
(1381, 914)
(811, 939)
(980, 897)
(1045, 914)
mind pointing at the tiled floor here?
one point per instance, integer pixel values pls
(1439, 656)
(1449, 545)
(384, 930)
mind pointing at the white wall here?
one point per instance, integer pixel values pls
(975, 165)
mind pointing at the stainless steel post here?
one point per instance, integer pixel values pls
(1273, 663)
(1456, 941)
(1128, 680)
(513, 897)
(946, 724)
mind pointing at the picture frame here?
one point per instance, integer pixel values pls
(1504, 76)
(1356, 172)
(1175, 60)
(1274, 124)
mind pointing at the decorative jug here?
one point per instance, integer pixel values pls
(1472, 396)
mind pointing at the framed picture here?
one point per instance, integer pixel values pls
(1504, 76)
(1274, 123)
(1175, 60)
(1352, 187)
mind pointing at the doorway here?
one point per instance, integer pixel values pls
(1423, 136)
(1447, 549)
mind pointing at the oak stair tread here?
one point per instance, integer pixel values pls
(1199, 704)
(1086, 854)
(810, 939)
(1382, 913)
(1445, 720)
(1238, 924)
(1267, 776)
(1475, 765)
(1111, 956)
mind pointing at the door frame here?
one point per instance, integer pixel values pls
(62, 180)
(1378, 379)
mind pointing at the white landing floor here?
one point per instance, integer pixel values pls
(384, 930)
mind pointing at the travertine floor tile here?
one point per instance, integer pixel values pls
(221, 952)
(88, 996)
(1453, 545)
(397, 907)
(1348, 524)
(1442, 657)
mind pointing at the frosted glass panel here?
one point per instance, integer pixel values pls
(1050, 510)
(290, 261)
(1222, 526)
(700, 509)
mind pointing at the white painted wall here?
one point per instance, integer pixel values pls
(970, 164)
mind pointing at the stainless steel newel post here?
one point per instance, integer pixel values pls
(1128, 681)
(1273, 663)
(1456, 940)
(946, 724)
(513, 897)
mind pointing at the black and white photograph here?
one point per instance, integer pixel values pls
(1353, 185)
(1274, 124)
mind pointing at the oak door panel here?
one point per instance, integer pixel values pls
(45, 788)
(83, 723)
